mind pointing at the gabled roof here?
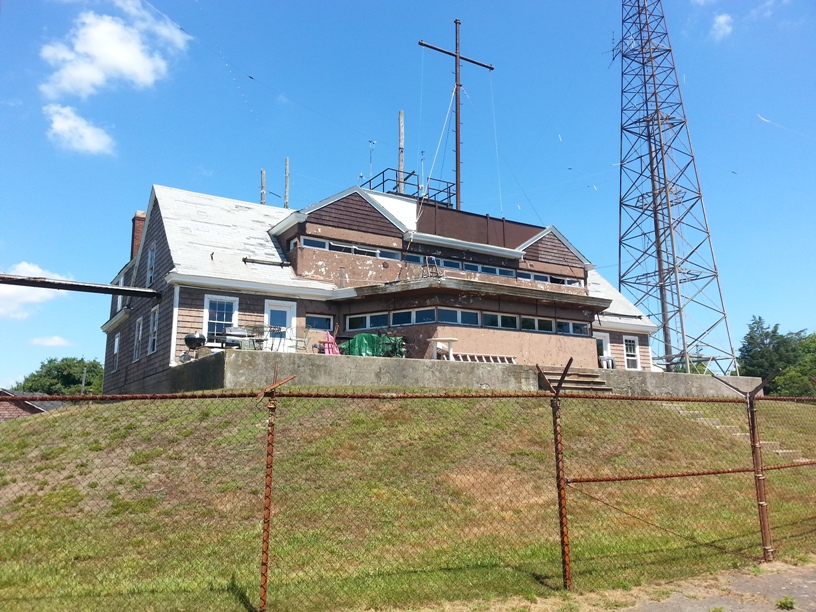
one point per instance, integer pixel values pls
(621, 315)
(400, 211)
(552, 230)
(212, 238)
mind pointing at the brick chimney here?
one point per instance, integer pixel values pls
(138, 228)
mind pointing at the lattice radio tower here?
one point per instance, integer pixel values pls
(666, 259)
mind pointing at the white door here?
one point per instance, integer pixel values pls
(280, 317)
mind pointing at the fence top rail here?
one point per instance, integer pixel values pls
(350, 394)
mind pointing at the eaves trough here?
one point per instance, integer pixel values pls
(471, 287)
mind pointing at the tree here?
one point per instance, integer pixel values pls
(765, 351)
(796, 380)
(64, 377)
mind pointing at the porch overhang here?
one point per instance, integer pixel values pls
(464, 286)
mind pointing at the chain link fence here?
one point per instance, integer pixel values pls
(342, 499)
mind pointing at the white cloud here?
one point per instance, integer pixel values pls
(17, 302)
(722, 26)
(70, 131)
(103, 49)
(50, 341)
(766, 9)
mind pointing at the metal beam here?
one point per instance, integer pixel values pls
(50, 283)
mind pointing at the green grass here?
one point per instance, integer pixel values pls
(377, 502)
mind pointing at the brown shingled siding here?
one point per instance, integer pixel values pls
(354, 213)
(551, 250)
(451, 223)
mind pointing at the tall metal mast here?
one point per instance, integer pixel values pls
(458, 104)
(665, 258)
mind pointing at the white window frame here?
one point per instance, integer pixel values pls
(329, 318)
(137, 339)
(500, 315)
(117, 339)
(151, 264)
(206, 314)
(367, 317)
(627, 356)
(153, 333)
(571, 329)
(538, 321)
(121, 282)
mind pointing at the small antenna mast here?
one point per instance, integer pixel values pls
(401, 160)
(286, 186)
(371, 144)
(263, 187)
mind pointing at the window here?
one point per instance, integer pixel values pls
(525, 275)
(359, 322)
(446, 315)
(539, 325)
(572, 327)
(506, 272)
(467, 317)
(417, 259)
(401, 318)
(541, 278)
(313, 243)
(630, 350)
(471, 267)
(427, 315)
(137, 340)
(490, 319)
(379, 319)
(153, 338)
(390, 255)
(116, 340)
(321, 322)
(121, 282)
(489, 270)
(450, 263)
(151, 263)
(219, 313)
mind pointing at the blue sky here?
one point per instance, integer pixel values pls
(100, 99)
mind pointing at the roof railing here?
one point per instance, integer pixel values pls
(434, 191)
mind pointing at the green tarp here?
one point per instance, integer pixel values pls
(373, 345)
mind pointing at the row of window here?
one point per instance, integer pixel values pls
(152, 338)
(452, 264)
(474, 318)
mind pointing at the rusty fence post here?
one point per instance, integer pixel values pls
(560, 476)
(756, 458)
(759, 480)
(272, 407)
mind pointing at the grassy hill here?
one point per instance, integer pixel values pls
(378, 501)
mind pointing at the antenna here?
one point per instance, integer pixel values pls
(286, 185)
(371, 144)
(401, 157)
(665, 257)
(263, 187)
(458, 57)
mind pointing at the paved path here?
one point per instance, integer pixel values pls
(743, 592)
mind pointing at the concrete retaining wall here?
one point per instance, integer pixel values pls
(663, 384)
(256, 369)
